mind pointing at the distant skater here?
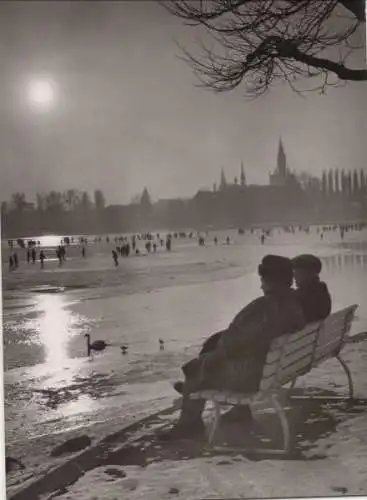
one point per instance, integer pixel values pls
(15, 259)
(262, 238)
(59, 256)
(11, 263)
(215, 240)
(115, 258)
(228, 241)
(83, 252)
(168, 244)
(42, 259)
(28, 256)
(63, 251)
(34, 255)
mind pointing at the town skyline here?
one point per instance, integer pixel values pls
(338, 193)
(277, 177)
(127, 113)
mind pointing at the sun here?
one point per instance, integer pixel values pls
(41, 93)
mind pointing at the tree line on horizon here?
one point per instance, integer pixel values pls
(348, 184)
(56, 201)
(71, 200)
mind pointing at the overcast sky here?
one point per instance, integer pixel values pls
(129, 116)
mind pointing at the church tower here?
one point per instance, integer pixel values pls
(281, 160)
(280, 175)
(223, 181)
(242, 176)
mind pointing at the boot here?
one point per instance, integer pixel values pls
(184, 430)
(178, 386)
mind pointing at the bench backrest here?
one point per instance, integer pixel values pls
(295, 354)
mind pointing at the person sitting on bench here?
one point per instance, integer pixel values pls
(313, 294)
(236, 361)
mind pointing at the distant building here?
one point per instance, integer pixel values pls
(223, 181)
(281, 176)
(243, 176)
(229, 186)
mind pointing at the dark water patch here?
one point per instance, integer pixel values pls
(47, 289)
(340, 489)
(72, 446)
(97, 386)
(12, 464)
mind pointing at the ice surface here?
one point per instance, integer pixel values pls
(53, 392)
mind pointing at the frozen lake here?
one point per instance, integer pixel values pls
(52, 390)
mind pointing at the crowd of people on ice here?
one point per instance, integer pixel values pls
(126, 246)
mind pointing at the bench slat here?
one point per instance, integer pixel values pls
(308, 330)
(295, 370)
(328, 336)
(327, 350)
(300, 344)
(292, 346)
(271, 369)
(273, 356)
(294, 337)
(291, 358)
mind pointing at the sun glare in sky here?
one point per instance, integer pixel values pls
(41, 93)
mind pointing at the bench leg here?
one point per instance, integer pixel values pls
(293, 383)
(349, 375)
(215, 424)
(290, 388)
(283, 420)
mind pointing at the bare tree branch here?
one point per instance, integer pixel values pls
(356, 7)
(257, 42)
(337, 68)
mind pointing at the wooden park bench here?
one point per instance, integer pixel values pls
(290, 357)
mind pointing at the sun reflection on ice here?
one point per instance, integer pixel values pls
(66, 383)
(54, 329)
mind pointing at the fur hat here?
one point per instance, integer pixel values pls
(307, 262)
(276, 269)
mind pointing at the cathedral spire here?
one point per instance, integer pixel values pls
(223, 181)
(242, 176)
(281, 160)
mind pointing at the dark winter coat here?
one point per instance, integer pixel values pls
(315, 301)
(237, 360)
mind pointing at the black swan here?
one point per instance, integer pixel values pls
(97, 345)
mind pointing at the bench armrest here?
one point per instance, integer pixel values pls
(354, 339)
